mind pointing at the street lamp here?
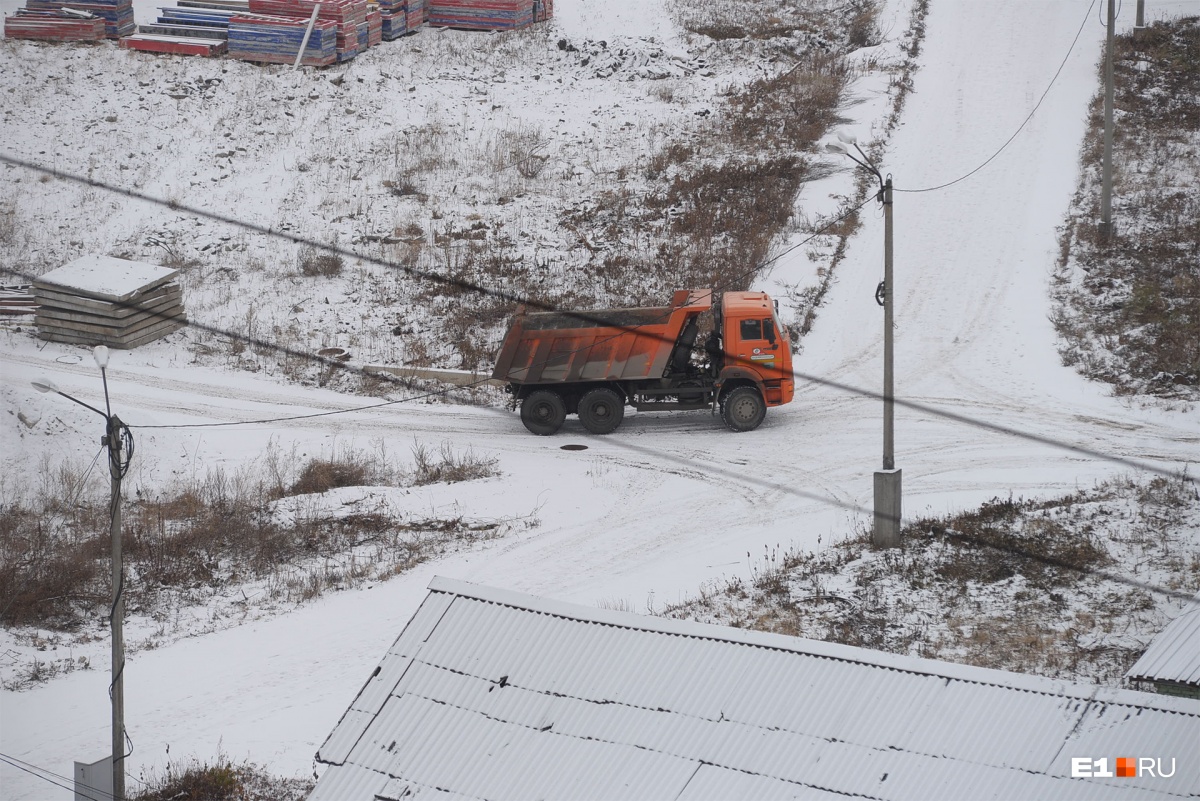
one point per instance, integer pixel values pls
(886, 533)
(116, 438)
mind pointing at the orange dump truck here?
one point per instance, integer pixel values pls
(595, 363)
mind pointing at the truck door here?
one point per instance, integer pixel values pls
(760, 347)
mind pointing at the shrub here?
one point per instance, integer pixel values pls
(221, 781)
(449, 467)
(312, 262)
(322, 475)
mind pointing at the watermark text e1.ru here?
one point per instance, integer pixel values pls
(1126, 768)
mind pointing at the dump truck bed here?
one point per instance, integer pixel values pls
(603, 345)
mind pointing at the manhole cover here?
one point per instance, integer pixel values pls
(574, 447)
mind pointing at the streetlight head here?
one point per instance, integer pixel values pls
(834, 147)
(45, 385)
(100, 354)
(849, 139)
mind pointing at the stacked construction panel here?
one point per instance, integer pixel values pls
(195, 23)
(53, 26)
(16, 300)
(174, 45)
(347, 15)
(99, 300)
(226, 5)
(481, 15)
(117, 14)
(417, 14)
(276, 40)
(374, 27)
(393, 18)
(394, 25)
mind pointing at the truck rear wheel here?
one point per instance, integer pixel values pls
(601, 411)
(543, 412)
(743, 409)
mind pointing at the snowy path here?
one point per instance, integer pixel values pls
(647, 514)
(972, 264)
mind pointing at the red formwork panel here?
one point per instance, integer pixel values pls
(174, 45)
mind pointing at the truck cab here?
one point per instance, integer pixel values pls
(757, 354)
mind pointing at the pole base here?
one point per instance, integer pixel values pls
(886, 533)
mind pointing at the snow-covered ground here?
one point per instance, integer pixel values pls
(645, 515)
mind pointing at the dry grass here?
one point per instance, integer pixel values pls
(221, 530)
(703, 208)
(1015, 584)
(220, 781)
(774, 20)
(1129, 309)
(449, 467)
(311, 262)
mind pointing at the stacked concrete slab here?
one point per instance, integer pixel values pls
(100, 300)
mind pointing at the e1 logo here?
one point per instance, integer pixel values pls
(1127, 768)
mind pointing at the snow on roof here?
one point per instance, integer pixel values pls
(108, 278)
(1174, 655)
(494, 694)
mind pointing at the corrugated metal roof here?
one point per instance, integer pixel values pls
(492, 694)
(1174, 655)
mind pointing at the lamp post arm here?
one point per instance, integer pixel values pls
(81, 403)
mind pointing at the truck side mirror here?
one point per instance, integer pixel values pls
(769, 330)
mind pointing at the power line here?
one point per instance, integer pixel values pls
(34, 770)
(484, 291)
(733, 475)
(1020, 128)
(414, 272)
(460, 284)
(475, 289)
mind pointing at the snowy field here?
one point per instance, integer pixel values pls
(641, 517)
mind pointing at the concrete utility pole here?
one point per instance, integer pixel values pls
(887, 488)
(115, 433)
(886, 533)
(118, 608)
(1106, 224)
(116, 471)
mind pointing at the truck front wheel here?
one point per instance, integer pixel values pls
(743, 409)
(543, 412)
(601, 411)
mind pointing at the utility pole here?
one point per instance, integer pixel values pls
(886, 533)
(113, 440)
(1106, 224)
(116, 434)
(887, 487)
(113, 436)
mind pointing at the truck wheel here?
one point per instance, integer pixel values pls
(601, 411)
(743, 409)
(543, 412)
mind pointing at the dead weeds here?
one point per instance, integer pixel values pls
(1128, 309)
(1016, 584)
